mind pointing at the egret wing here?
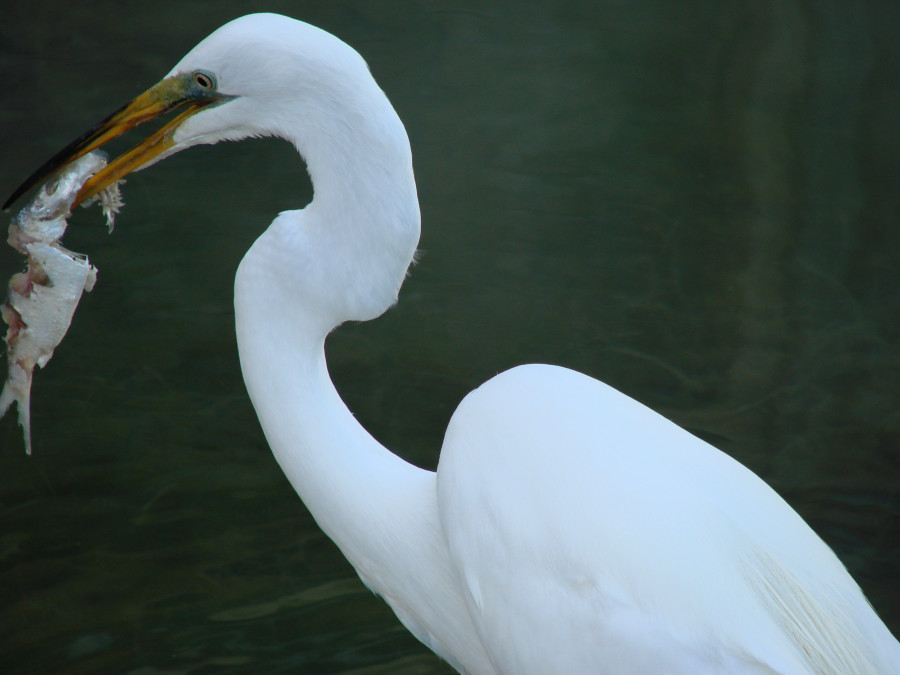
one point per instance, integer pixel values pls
(576, 516)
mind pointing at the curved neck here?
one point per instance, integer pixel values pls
(381, 511)
(360, 231)
(342, 258)
(363, 496)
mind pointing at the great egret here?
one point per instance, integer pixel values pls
(568, 528)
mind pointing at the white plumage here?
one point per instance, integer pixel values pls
(568, 529)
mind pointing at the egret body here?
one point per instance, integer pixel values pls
(568, 528)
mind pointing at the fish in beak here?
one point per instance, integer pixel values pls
(188, 93)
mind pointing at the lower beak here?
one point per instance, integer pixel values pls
(178, 91)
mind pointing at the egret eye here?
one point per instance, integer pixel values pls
(205, 81)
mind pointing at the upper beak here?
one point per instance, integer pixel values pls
(178, 91)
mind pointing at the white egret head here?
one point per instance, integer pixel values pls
(259, 75)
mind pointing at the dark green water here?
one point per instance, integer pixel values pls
(695, 202)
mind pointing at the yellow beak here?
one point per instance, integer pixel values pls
(193, 92)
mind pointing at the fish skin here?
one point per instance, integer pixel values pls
(42, 300)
